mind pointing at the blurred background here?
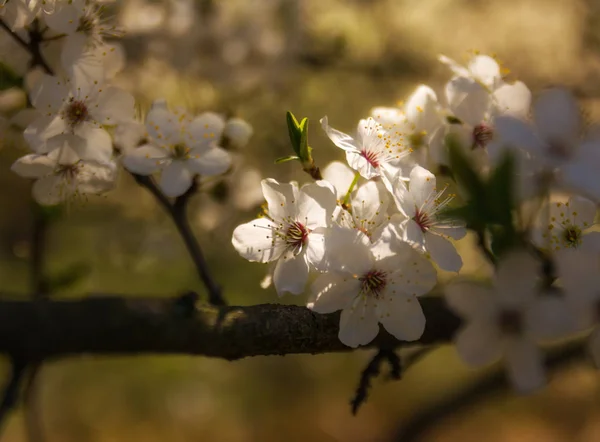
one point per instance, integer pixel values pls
(255, 60)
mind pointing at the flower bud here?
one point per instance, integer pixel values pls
(238, 132)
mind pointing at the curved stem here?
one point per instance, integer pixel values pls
(350, 189)
(177, 212)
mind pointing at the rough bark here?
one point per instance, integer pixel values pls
(39, 330)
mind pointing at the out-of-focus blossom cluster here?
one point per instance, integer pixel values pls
(81, 126)
(373, 234)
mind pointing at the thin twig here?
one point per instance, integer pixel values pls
(177, 212)
(10, 396)
(14, 35)
(33, 406)
(371, 371)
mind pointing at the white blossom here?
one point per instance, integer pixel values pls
(373, 284)
(340, 176)
(238, 131)
(579, 275)
(367, 211)
(82, 109)
(477, 108)
(481, 68)
(551, 150)
(420, 204)
(368, 153)
(291, 232)
(414, 128)
(85, 54)
(180, 148)
(61, 174)
(566, 225)
(508, 319)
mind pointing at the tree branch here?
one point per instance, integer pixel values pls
(34, 331)
(490, 385)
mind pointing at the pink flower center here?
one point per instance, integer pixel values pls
(296, 236)
(371, 157)
(422, 220)
(373, 283)
(482, 135)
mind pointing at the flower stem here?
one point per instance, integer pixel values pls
(177, 212)
(350, 189)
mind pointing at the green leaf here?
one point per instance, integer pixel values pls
(294, 132)
(500, 191)
(463, 170)
(286, 159)
(304, 149)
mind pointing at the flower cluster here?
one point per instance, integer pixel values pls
(373, 232)
(368, 237)
(81, 121)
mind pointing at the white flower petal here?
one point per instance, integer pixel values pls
(515, 133)
(332, 292)
(413, 233)
(422, 186)
(479, 343)
(348, 251)
(64, 19)
(485, 69)
(422, 110)
(51, 190)
(175, 179)
(210, 162)
(291, 274)
(524, 364)
(548, 318)
(513, 99)
(340, 139)
(33, 166)
(471, 300)
(340, 176)
(402, 316)
(315, 249)
(516, 278)
(255, 242)
(49, 94)
(144, 160)
(443, 252)
(206, 128)
(369, 206)
(415, 276)
(163, 127)
(316, 203)
(359, 163)
(42, 129)
(281, 199)
(468, 100)
(94, 143)
(358, 324)
(114, 105)
(557, 116)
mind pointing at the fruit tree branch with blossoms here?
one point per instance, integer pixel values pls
(365, 239)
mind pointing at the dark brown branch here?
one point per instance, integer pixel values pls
(487, 387)
(35, 331)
